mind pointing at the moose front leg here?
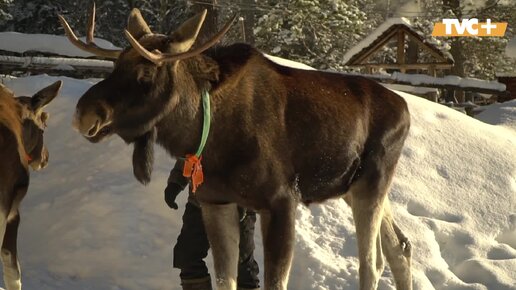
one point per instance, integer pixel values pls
(278, 233)
(222, 228)
(12, 272)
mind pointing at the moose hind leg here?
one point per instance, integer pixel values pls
(278, 234)
(397, 250)
(367, 214)
(380, 262)
(12, 272)
(222, 228)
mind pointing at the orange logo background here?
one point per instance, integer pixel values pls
(499, 30)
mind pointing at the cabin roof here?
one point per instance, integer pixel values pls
(387, 30)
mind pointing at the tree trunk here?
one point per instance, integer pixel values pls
(249, 20)
(210, 26)
(456, 49)
(412, 54)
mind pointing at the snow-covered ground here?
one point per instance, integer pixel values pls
(503, 114)
(87, 223)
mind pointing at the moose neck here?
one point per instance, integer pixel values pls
(179, 131)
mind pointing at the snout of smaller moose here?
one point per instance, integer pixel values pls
(44, 158)
(75, 121)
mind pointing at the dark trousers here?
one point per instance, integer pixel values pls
(192, 247)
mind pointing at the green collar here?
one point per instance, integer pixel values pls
(206, 122)
(192, 168)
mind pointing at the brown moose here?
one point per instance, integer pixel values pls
(279, 136)
(22, 122)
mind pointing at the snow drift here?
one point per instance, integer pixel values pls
(87, 224)
(503, 114)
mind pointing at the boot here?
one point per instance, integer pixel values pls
(197, 283)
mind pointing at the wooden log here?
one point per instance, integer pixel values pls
(410, 65)
(74, 67)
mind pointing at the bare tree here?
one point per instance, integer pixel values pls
(249, 14)
(211, 23)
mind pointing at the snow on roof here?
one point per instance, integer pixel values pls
(378, 32)
(366, 42)
(57, 44)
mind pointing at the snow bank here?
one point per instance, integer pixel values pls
(60, 45)
(454, 194)
(87, 224)
(503, 114)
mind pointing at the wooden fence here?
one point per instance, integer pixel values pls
(90, 67)
(54, 65)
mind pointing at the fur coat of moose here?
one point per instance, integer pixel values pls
(279, 136)
(22, 123)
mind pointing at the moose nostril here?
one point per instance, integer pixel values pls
(93, 130)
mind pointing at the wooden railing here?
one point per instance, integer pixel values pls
(54, 65)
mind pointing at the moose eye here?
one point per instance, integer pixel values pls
(145, 73)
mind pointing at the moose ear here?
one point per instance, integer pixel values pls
(136, 25)
(45, 96)
(184, 37)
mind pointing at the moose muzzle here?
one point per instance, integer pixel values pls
(93, 121)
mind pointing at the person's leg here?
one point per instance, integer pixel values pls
(191, 249)
(247, 267)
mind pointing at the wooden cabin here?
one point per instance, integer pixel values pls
(413, 51)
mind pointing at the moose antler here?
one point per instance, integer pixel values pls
(158, 58)
(90, 45)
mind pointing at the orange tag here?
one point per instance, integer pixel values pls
(27, 156)
(193, 170)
